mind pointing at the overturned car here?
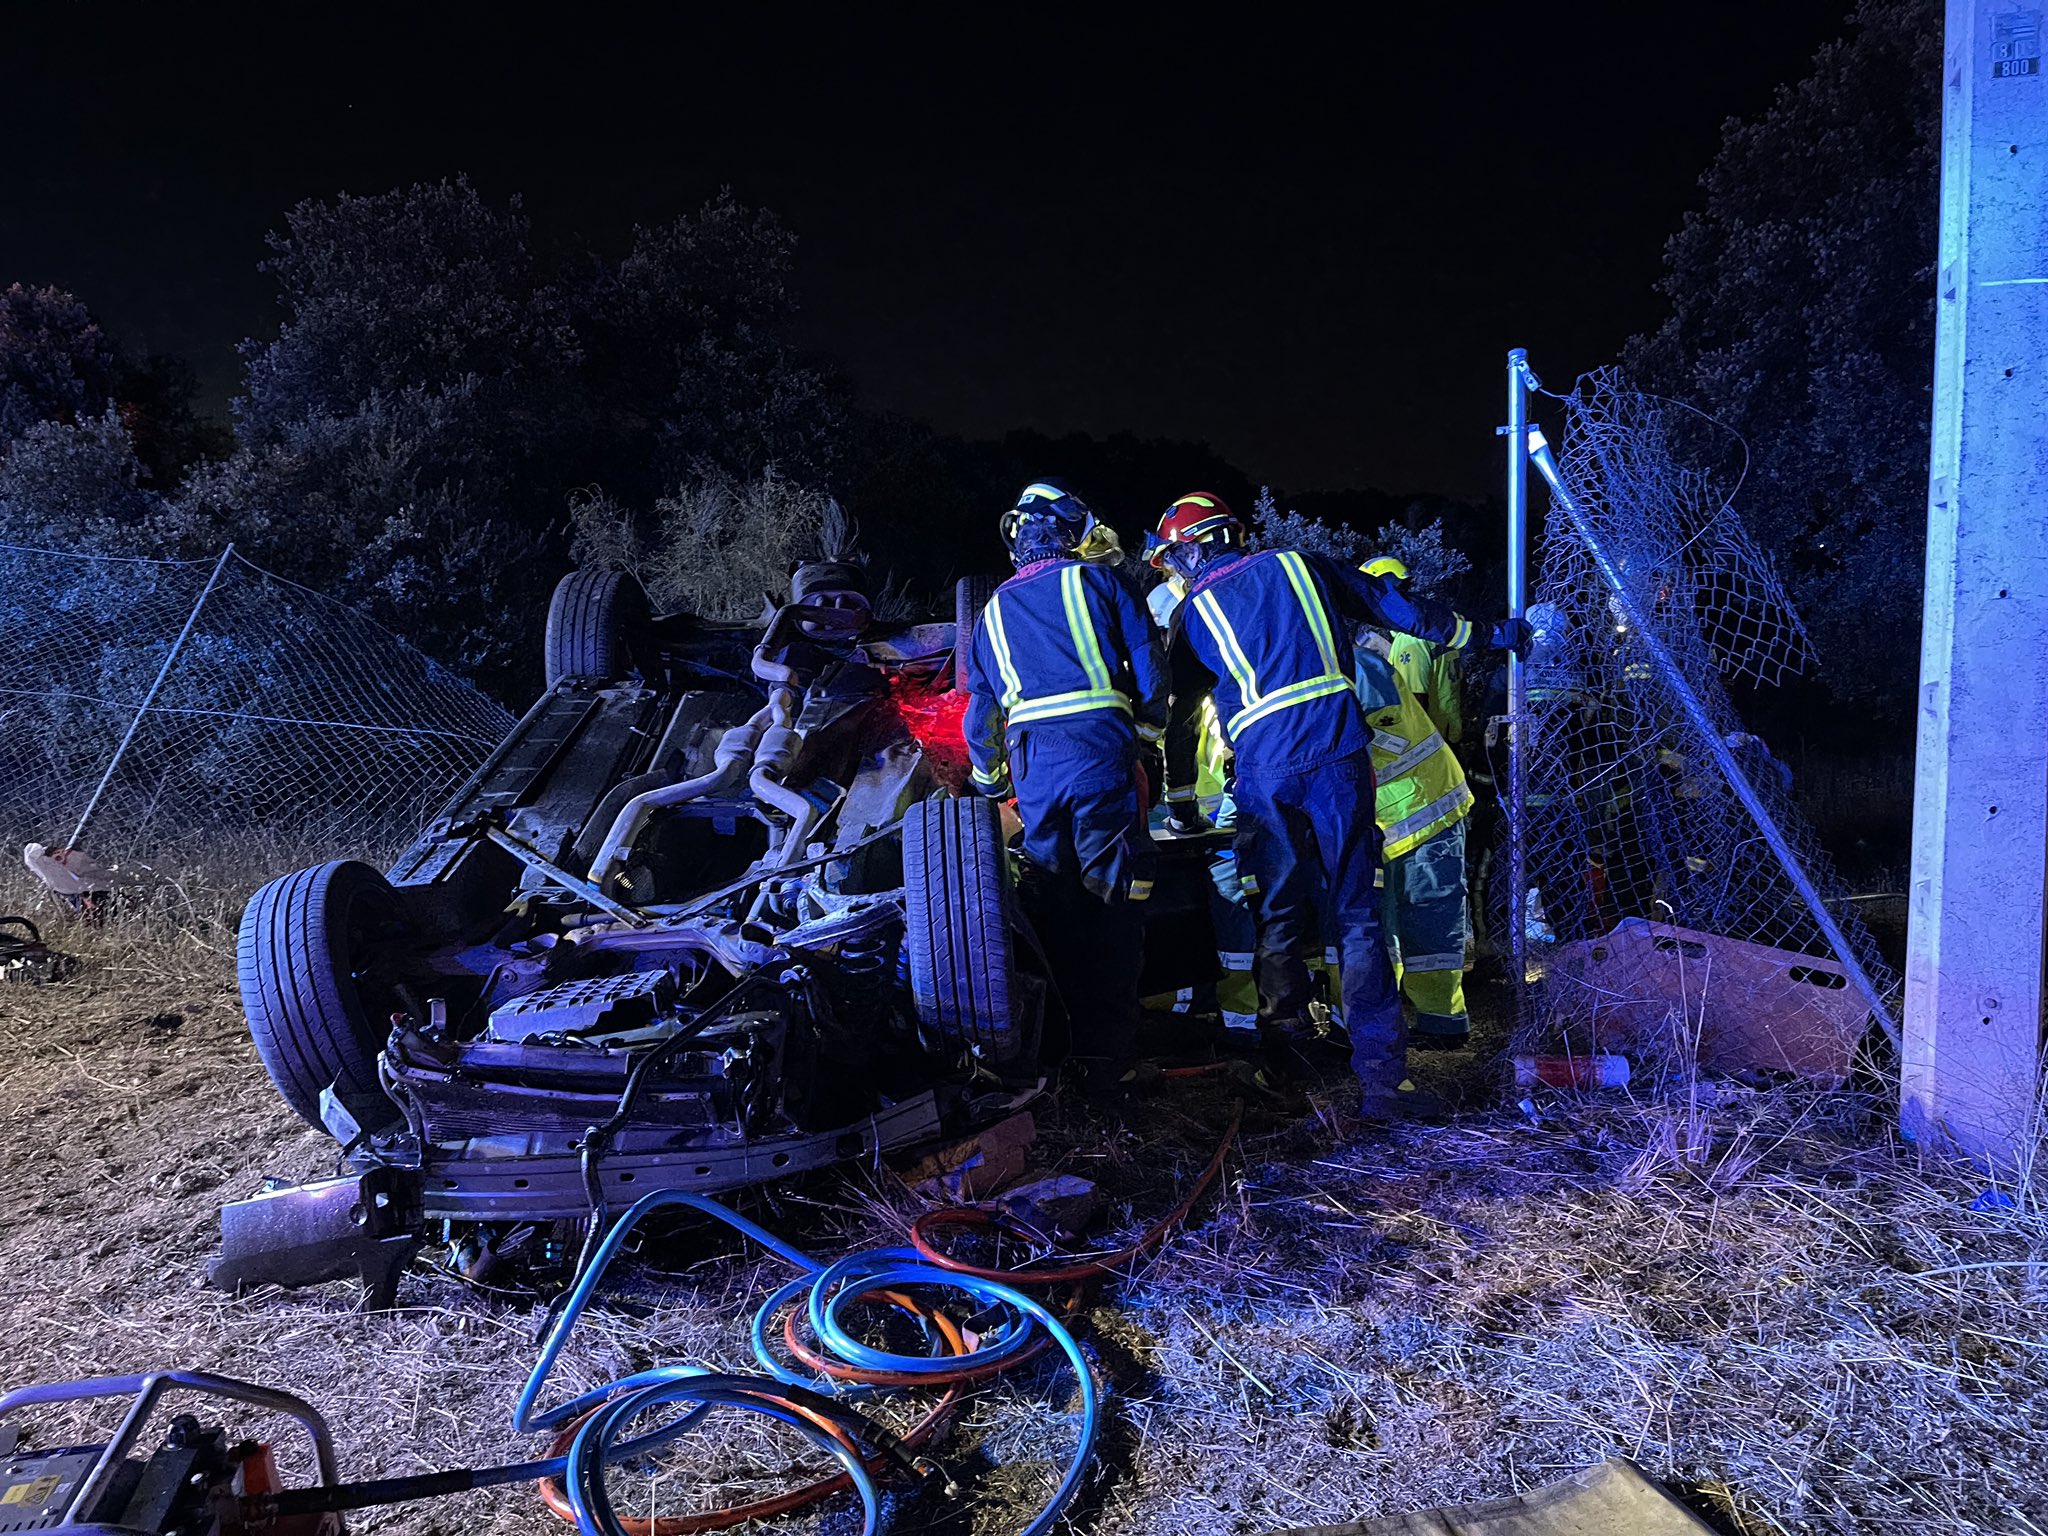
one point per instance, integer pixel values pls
(713, 913)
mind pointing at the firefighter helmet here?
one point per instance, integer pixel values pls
(1193, 527)
(1048, 520)
(1385, 565)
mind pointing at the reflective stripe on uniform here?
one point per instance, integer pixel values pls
(1311, 607)
(990, 780)
(1420, 753)
(1226, 642)
(1287, 698)
(1235, 959)
(1150, 733)
(1388, 741)
(1409, 830)
(1140, 890)
(999, 642)
(1453, 961)
(1076, 703)
(1256, 705)
(1087, 646)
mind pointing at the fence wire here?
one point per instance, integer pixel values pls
(1633, 813)
(283, 713)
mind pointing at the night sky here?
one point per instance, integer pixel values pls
(1310, 249)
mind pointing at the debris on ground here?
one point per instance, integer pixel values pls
(24, 957)
(75, 877)
(974, 1167)
(1605, 1070)
(1057, 1204)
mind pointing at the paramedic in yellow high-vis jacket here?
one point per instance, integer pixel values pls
(1408, 687)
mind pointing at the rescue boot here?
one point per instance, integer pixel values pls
(1404, 1102)
(1286, 1051)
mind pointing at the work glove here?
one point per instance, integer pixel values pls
(1185, 819)
(1511, 635)
(1229, 883)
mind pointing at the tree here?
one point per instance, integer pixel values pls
(1802, 316)
(410, 439)
(393, 507)
(426, 287)
(686, 355)
(55, 362)
(57, 365)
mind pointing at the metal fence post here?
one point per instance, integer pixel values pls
(1517, 432)
(149, 698)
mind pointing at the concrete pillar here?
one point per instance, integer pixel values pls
(1974, 966)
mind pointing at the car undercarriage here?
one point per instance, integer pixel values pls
(714, 913)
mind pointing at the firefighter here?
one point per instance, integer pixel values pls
(1409, 691)
(1270, 635)
(1067, 693)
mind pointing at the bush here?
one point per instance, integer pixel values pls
(717, 545)
(79, 487)
(1433, 565)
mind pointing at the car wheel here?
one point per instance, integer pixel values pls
(597, 623)
(303, 942)
(957, 902)
(970, 596)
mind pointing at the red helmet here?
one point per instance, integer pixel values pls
(1200, 517)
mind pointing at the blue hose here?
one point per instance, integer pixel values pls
(825, 1289)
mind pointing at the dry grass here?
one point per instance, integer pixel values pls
(1796, 1322)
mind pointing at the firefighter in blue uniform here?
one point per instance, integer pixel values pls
(1270, 635)
(1067, 693)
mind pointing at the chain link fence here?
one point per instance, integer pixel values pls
(163, 711)
(1670, 879)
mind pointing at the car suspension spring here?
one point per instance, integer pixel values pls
(868, 967)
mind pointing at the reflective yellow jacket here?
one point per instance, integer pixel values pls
(1422, 787)
(1430, 672)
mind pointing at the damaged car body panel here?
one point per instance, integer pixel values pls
(677, 932)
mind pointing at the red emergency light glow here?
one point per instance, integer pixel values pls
(936, 720)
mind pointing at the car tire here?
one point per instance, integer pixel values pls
(957, 933)
(970, 596)
(302, 939)
(597, 624)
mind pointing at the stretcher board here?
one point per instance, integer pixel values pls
(1753, 1007)
(1612, 1499)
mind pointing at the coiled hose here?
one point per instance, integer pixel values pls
(1011, 1328)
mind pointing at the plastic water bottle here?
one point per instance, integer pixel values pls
(1605, 1070)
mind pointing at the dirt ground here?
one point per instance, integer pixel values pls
(1761, 1297)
